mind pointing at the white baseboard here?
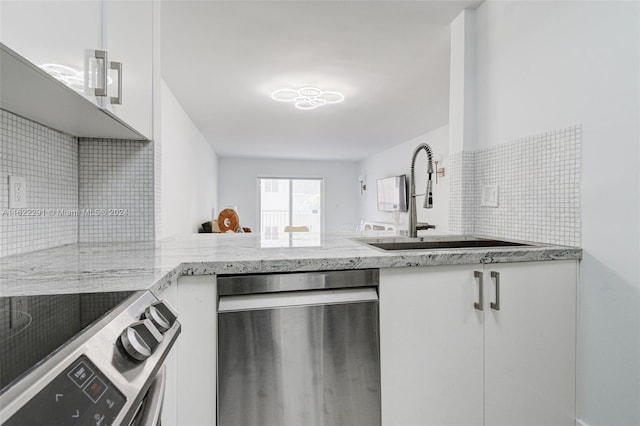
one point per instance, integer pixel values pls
(580, 423)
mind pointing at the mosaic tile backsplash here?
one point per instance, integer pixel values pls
(538, 181)
(92, 190)
(48, 160)
(116, 190)
(96, 190)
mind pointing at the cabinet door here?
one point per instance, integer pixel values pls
(57, 36)
(170, 405)
(431, 346)
(530, 344)
(128, 39)
(190, 397)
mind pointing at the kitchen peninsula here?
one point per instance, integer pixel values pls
(91, 267)
(440, 327)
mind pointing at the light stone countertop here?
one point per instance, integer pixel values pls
(95, 267)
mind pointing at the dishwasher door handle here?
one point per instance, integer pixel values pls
(296, 298)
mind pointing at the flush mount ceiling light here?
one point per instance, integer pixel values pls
(308, 97)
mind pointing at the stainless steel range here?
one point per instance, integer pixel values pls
(84, 359)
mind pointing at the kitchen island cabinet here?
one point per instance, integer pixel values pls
(190, 397)
(530, 344)
(446, 361)
(430, 346)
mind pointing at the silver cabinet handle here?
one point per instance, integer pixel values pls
(118, 67)
(479, 303)
(496, 276)
(101, 55)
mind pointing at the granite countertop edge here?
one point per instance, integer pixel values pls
(398, 260)
(84, 268)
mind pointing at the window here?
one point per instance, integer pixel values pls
(289, 202)
(270, 185)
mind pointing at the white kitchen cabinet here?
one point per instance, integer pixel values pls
(431, 348)
(530, 344)
(443, 361)
(128, 41)
(59, 37)
(190, 397)
(62, 37)
(170, 406)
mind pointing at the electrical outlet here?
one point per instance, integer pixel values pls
(17, 192)
(19, 312)
(489, 196)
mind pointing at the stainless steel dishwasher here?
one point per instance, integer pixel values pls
(299, 349)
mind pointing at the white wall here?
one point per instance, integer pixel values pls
(189, 170)
(462, 82)
(547, 65)
(397, 161)
(238, 187)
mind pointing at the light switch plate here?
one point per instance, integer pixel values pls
(489, 196)
(17, 192)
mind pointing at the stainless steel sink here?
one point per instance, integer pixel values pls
(437, 242)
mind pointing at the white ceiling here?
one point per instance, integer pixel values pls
(222, 60)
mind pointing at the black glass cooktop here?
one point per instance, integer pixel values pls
(34, 327)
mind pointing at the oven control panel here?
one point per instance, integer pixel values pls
(81, 395)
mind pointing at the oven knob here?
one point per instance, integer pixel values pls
(161, 315)
(140, 340)
(153, 314)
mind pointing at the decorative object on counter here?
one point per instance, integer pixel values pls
(232, 219)
(209, 227)
(228, 221)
